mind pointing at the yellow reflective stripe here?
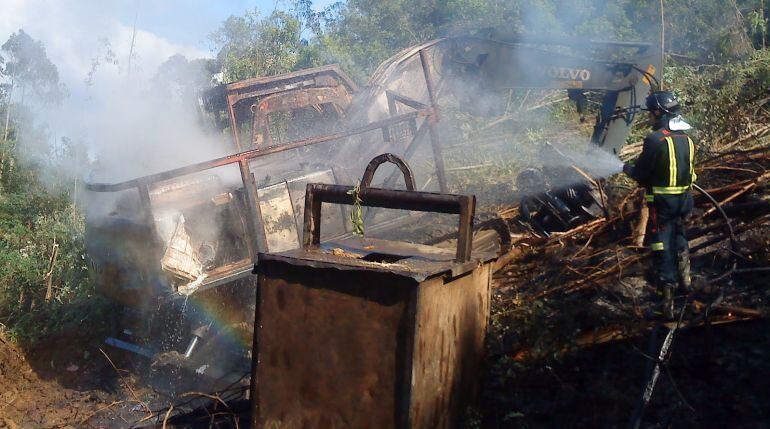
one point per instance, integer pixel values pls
(656, 246)
(649, 198)
(671, 162)
(670, 190)
(693, 176)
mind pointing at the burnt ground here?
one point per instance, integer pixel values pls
(568, 344)
(581, 356)
(717, 377)
(72, 380)
(66, 382)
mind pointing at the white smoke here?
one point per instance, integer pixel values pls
(113, 106)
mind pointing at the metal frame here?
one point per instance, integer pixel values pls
(375, 163)
(463, 205)
(143, 184)
(248, 205)
(241, 91)
(432, 120)
(283, 89)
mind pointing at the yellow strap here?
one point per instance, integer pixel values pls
(671, 162)
(649, 198)
(670, 190)
(693, 176)
(656, 246)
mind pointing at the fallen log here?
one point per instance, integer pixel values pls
(618, 333)
(730, 310)
(589, 280)
(739, 230)
(507, 258)
(740, 192)
(756, 134)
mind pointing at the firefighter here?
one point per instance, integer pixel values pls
(665, 170)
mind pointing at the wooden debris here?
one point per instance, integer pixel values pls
(589, 265)
(49, 275)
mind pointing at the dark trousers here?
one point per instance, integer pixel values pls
(667, 234)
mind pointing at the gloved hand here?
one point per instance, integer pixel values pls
(627, 168)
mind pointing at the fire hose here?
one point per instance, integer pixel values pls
(664, 352)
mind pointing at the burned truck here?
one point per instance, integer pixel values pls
(179, 246)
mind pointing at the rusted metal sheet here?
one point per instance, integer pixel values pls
(451, 321)
(416, 261)
(338, 331)
(261, 86)
(331, 346)
(337, 96)
(365, 332)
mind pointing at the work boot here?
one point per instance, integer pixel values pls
(683, 267)
(663, 309)
(667, 304)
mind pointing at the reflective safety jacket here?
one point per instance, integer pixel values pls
(665, 166)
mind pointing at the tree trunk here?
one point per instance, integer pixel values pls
(18, 131)
(764, 24)
(48, 278)
(5, 133)
(662, 44)
(8, 111)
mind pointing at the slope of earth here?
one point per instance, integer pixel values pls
(67, 382)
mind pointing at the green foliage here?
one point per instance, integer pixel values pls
(360, 34)
(27, 65)
(181, 79)
(356, 214)
(250, 46)
(724, 101)
(41, 231)
(34, 220)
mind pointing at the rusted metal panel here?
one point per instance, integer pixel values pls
(365, 332)
(332, 346)
(308, 97)
(251, 100)
(274, 84)
(290, 101)
(416, 261)
(338, 331)
(451, 321)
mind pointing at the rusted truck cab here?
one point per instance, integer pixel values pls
(265, 111)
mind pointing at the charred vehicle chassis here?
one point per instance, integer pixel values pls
(179, 248)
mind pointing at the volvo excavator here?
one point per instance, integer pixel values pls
(177, 249)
